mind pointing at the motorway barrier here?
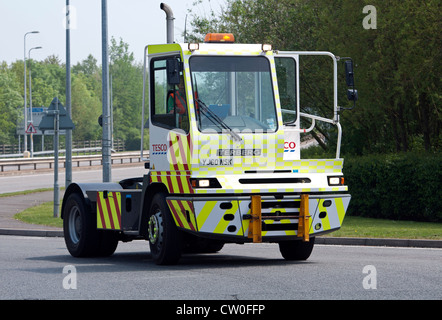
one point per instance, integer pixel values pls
(20, 164)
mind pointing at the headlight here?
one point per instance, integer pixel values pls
(336, 181)
(205, 183)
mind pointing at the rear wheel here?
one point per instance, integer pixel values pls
(80, 230)
(164, 237)
(296, 249)
(108, 243)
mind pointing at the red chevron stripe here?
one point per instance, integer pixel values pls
(183, 154)
(100, 210)
(109, 213)
(175, 213)
(117, 207)
(170, 184)
(184, 210)
(172, 154)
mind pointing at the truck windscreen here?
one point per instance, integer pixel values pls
(238, 90)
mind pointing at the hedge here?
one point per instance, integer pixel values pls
(398, 187)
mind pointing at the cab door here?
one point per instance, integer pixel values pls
(288, 86)
(169, 117)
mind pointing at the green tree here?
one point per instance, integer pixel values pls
(127, 89)
(86, 108)
(398, 65)
(398, 70)
(92, 72)
(11, 105)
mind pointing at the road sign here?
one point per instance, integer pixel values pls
(31, 128)
(47, 122)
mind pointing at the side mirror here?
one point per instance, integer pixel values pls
(349, 75)
(352, 93)
(173, 71)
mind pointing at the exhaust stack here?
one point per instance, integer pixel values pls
(169, 19)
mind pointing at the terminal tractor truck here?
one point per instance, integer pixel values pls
(224, 165)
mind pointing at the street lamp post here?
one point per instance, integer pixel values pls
(30, 101)
(106, 144)
(68, 162)
(25, 80)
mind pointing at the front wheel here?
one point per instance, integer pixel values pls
(296, 249)
(164, 237)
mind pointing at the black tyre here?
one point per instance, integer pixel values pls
(80, 231)
(164, 237)
(108, 243)
(296, 249)
(80, 228)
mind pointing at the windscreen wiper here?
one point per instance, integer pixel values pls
(216, 120)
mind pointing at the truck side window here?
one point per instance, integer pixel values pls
(168, 102)
(286, 72)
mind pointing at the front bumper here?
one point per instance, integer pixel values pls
(230, 217)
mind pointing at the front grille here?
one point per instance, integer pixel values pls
(278, 210)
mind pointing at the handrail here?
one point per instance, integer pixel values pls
(335, 123)
(299, 130)
(335, 120)
(143, 105)
(313, 117)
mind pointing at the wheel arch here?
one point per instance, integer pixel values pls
(82, 189)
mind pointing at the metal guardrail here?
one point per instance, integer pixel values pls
(51, 152)
(21, 164)
(8, 151)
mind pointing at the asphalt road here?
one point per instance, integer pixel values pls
(39, 179)
(32, 268)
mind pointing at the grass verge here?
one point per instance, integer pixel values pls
(379, 228)
(18, 193)
(42, 214)
(352, 227)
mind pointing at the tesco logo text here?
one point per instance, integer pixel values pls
(159, 147)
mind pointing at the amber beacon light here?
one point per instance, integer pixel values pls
(219, 38)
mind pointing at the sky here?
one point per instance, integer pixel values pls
(137, 22)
